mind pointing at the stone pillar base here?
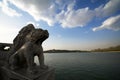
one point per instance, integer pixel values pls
(21, 74)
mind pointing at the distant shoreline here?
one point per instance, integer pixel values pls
(69, 51)
(109, 49)
(104, 51)
(63, 51)
(75, 51)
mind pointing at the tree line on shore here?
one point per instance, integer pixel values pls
(113, 48)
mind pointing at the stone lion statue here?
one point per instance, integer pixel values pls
(32, 46)
(20, 38)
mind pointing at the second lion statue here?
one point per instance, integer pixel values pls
(24, 56)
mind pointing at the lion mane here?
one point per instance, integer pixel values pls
(32, 46)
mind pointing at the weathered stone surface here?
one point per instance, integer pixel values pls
(26, 46)
(19, 60)
(19, 40)
(22, 74)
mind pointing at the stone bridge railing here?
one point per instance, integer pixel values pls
(5, 46)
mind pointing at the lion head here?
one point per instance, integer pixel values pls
(38, 35)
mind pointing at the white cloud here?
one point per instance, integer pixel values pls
(7, 10)
(108, 9)
(112, 23)
(75, 18)
(60, 11)
(39, 9)
(47, 11)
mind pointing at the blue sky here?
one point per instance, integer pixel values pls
(72, 24)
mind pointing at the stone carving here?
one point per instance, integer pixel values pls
(27, 45)
(17, 62)
(20, 38)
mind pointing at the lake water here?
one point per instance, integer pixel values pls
(85, 66)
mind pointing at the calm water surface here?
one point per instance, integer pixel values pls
(85, 66)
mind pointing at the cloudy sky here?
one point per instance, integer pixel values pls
(72, 24)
